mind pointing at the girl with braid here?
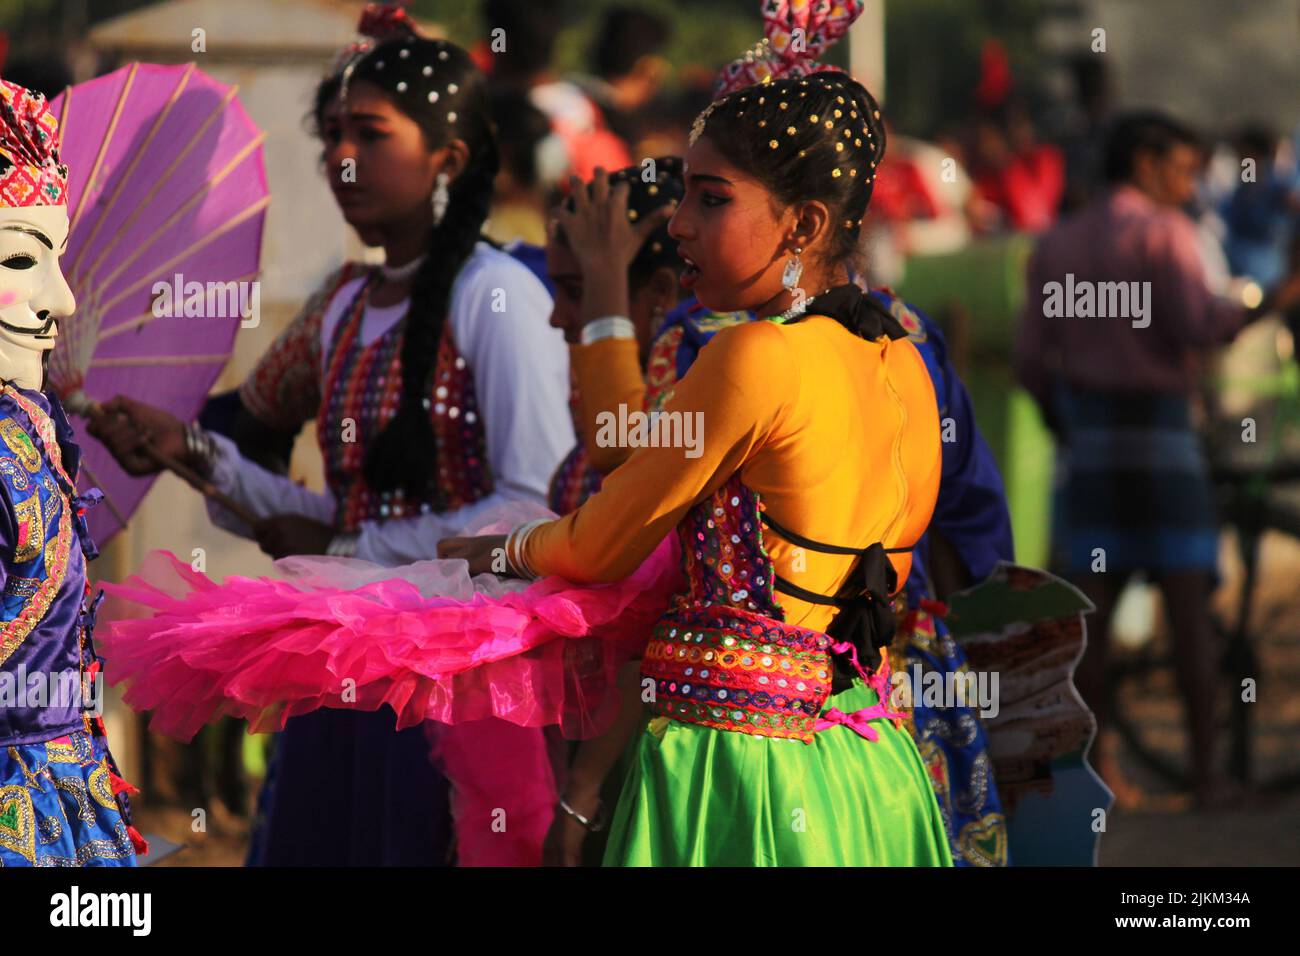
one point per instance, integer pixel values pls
(439, 393)
(772, 740)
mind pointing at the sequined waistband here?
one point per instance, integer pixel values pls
(731, 669)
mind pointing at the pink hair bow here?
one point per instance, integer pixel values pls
(379, 22)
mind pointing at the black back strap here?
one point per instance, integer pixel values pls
(786, 586)
(865, 617)
(811, 545)
(812, 597)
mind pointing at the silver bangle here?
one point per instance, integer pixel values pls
(592, 826)
(200, 448)
(609, 327)
(343, 545)
(515, 542)
(514, 552)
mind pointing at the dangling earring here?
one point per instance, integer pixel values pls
(793, 270)
(440, 198)
(656, 321)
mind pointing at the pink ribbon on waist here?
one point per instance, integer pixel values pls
(859, 720)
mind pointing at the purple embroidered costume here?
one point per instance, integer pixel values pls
(62, 802)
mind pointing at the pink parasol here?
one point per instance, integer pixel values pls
(166, 180)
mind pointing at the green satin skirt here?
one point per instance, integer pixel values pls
(695, 796)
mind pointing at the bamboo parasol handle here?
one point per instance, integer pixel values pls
(82, 404)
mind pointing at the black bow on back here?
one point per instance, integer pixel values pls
(866, 619)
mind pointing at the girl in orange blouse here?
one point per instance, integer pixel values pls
(798, 461)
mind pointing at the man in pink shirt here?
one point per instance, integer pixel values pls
(1117, 317)
(1135, 233)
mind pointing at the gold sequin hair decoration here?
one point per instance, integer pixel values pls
(838, 101)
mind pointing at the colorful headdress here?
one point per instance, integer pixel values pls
(803, 108)
(31, 173)
(795, 34)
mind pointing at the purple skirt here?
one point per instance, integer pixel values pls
(348, 789)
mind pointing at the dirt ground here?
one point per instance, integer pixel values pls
(1256, 837)
(223, 843)
(1166, 832)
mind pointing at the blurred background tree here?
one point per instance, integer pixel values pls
(44, 24)
(932, 55)
(709, 33)
(932, 46)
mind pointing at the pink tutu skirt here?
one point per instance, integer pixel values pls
(426, 639)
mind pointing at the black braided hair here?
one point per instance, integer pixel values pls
(814, 137)
(650, 188)
(437, 85)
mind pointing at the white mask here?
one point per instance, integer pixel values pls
(33, 292)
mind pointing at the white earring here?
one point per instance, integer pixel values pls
(441, 197)
(793, 270)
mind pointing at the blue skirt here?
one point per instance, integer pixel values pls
(350, 790)
(57, 806)
(955, 749)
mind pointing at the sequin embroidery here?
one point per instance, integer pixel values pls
(724, 656)
(362, 392)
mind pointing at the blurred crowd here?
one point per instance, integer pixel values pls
(1014, 162)
(1006, 167)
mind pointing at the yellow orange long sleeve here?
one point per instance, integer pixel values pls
(839, 437)
(645, 497)
(608, 374)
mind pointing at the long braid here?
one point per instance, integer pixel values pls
(404, 455)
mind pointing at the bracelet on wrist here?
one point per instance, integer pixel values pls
(343, 545)
(593, 825)
(608, 327)
(200, 449)
(515, 542)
